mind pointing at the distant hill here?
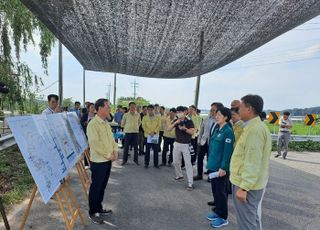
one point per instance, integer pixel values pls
(293, 112)
(300, 112)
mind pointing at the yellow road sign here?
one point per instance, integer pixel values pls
(311, 119)
(274, 118)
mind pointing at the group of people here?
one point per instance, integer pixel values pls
(236, 141)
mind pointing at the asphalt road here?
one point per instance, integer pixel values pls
(149, 199)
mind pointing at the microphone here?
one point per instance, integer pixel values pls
(4, 88)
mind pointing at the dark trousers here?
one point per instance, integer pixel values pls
(141, 142)
(155, 148)
(168, 143)
(195, 147)
(100, 173)
(202, 152)
(160, 140)
(86, 163)
(131, 139)
(219, 188)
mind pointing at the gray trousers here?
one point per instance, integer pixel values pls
(283, 141)
(179, 150)
(248, 214)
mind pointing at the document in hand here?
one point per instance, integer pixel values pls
(153, 139)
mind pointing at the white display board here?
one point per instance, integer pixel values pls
(51, 145)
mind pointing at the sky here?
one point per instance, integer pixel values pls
(285, 72)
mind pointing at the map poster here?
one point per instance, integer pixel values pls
(51, 145)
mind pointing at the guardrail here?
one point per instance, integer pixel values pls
(8, 140)
(299, 138)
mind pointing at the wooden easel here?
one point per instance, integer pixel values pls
(2, 211)
(3, 214)
(63, 195)
(87, 156)
(84, 177)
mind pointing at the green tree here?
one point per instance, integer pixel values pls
(124, 101)
(34, 104)
(18, 28)
(67, 102)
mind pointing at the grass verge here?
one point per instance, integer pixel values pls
(16, 176)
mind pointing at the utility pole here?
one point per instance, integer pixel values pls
(196, 99)
(114, 89)
(135, 85)
(109, 91)
(60, 72)
(84, 87)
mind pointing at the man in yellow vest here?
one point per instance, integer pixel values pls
(196, 119)
(169, 137)
(130, 123)
(151, 125)
(103, 150)
(249, 167)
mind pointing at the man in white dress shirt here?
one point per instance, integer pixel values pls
(53, 105)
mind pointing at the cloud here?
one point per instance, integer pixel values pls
(312, 51)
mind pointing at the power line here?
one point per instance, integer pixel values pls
(48, 86)
(300, 54)
(271, 63)
(271, 51)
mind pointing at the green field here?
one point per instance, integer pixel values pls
(299, 128)
(18, 180)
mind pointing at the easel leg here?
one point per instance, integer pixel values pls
(63, 211)
(83, 182)
(87, 156)
(85, 174)
(25, 217)
(74, 202)
(66, 200)
(3, 214)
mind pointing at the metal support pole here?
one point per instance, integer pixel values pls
(196, 99)
(134, 89)
(60, 75)
(114, 89)
(84, 87)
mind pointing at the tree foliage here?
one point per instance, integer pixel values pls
(124, 101)
(18, 29)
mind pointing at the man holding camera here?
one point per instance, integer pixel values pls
(184, 129)
(285, 124)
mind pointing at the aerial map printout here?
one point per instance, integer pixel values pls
(51, 145)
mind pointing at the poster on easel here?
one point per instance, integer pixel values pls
(51, 145)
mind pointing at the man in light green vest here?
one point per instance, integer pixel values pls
(249, 168)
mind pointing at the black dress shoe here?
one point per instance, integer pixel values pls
(211, 203)
(123, 163)
(104, 212)
(197, 178)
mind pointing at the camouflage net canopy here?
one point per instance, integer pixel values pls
(161, 38)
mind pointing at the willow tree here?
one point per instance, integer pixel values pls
(18, 28)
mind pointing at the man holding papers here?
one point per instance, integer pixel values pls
(151, 126)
